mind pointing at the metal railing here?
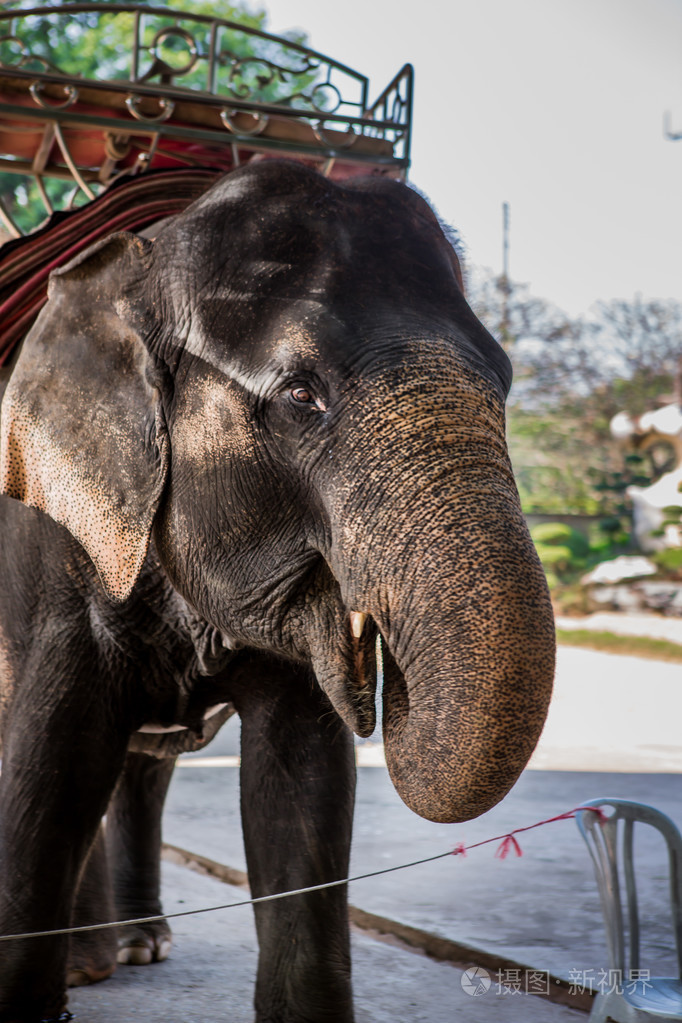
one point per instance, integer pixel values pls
(207, 88)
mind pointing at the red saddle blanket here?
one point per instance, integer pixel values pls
(130, 205)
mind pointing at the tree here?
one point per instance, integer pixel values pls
(571, 377)
(642, 342)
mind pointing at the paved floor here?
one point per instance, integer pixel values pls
(209, 978)
(612, 713)
(541, 910)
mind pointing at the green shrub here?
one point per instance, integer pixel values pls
(562, 550)
(669, 561)
(573, 599)
(559, 558)
(558, 534)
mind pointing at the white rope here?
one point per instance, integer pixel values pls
(507, 840)
(214, 909)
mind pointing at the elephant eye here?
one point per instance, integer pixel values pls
(304, 396)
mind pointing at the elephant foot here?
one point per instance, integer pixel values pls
(140, 945)
(79, 976)
(92, 958)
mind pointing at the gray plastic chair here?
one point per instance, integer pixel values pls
(610, 842)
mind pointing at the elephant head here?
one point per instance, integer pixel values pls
(287, 390)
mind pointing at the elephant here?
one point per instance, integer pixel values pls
(236, 459)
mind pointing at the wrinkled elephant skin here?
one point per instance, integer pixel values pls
(235, 456)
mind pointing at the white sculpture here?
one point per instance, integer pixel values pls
(665, 424)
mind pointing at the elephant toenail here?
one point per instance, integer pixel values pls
(77, 978)
(163, 950)
(135, 955)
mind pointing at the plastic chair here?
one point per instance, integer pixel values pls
(638, 998)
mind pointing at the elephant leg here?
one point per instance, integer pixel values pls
(297, 795)
(134, 845)
(63, 751)
(92, 955)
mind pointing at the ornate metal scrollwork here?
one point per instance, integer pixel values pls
(252, 77)
(160, 66)
(198, 53)
(321, 90)
(236, 78)
(24, 57)
(175, 32)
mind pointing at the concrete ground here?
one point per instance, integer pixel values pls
(611, 731)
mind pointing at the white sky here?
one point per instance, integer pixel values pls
(554, 106)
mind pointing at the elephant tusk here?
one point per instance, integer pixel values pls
(152, 729)
(357, 623)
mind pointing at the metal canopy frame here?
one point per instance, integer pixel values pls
(184, 89)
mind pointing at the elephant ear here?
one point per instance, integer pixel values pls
(82, 436)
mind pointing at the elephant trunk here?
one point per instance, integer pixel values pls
(434, 546)
(468, 670)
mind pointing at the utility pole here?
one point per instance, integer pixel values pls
(503, 282)
(672, 136)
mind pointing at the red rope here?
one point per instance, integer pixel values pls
(509, 842)
(505, 847)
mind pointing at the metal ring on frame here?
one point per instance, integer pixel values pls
(36, 88)
(167, 108)
(319, 132)
(262, 121)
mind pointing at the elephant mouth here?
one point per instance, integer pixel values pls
(345, 664)
(364, 640)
